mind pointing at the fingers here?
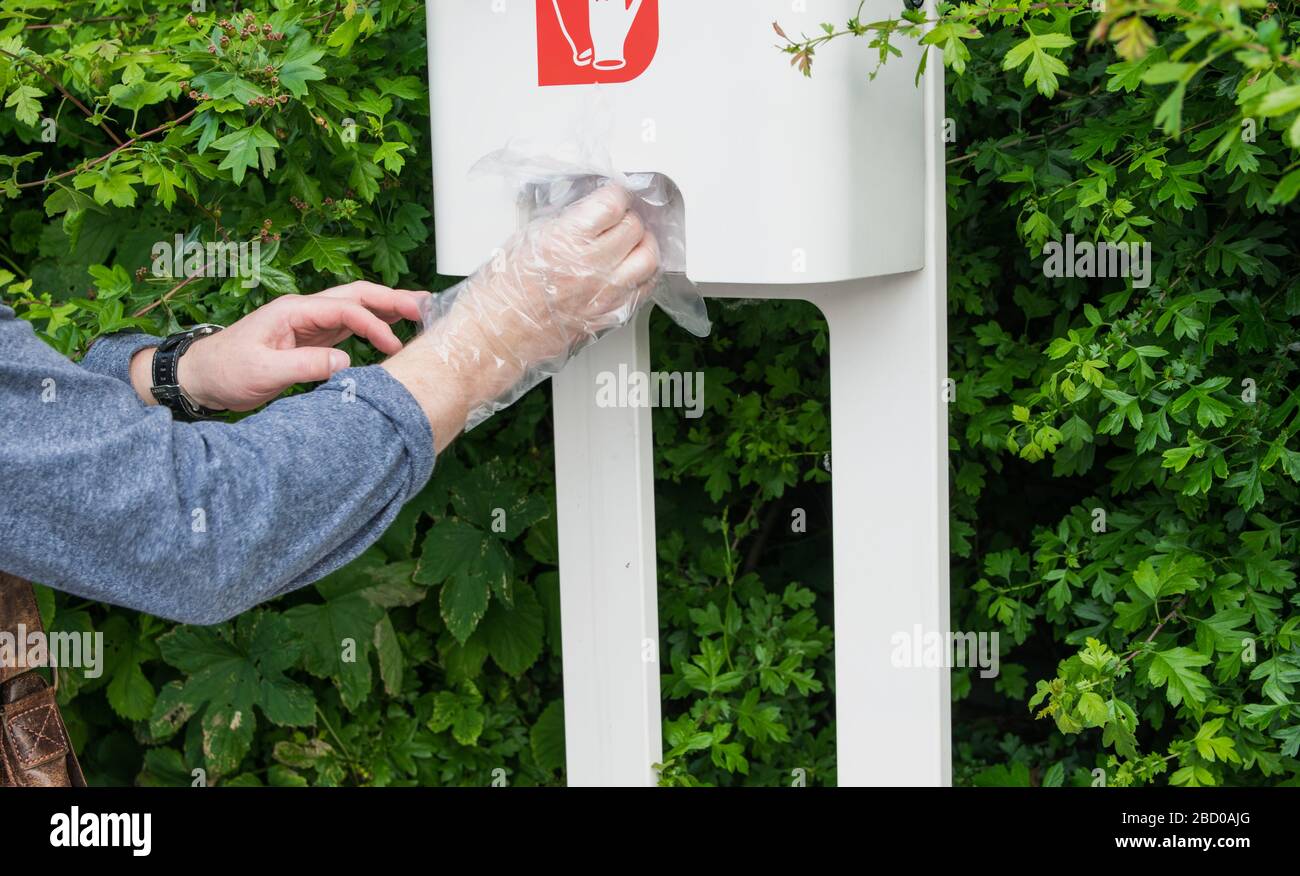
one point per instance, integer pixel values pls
(616, 243)
(314, 317)
(640, 266)
(308, 364)
(389, 304)
(599, 211)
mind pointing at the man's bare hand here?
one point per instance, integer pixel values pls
(288, 341)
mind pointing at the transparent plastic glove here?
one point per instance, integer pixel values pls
(611, 22)
(549, 177)
(557, 285)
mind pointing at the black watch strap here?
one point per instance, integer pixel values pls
(166, 374)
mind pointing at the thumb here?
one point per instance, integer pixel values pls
(311, 364)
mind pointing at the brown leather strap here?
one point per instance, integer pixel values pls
(19, 615)
(34, 747)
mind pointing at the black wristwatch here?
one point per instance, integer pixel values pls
(166, 370)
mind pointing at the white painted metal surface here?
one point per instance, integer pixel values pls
(784, 177)
(851, 190)
(609, 616)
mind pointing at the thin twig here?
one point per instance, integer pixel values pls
(81, 106)
(167, 297)
(109, 154)
(101, 18)
(1160, 626)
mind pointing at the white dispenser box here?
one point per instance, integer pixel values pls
(827, 188)
(786, 179)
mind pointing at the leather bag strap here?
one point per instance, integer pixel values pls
(34, 747)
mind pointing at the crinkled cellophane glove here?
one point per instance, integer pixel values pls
(559, 284)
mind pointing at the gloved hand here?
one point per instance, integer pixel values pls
(555, 287)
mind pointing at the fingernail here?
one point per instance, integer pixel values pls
(338, 361)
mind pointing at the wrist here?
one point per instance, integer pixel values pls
(141, 370)
(442, 389)
(196, 372)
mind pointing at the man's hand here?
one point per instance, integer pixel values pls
(283, 343)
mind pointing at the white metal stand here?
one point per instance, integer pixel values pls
(890, 504)
(609, 611)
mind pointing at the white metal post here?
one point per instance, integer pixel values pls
(609, 610)
(889, 436)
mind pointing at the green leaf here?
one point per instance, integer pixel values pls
(337, 636)
(1249, 482)
(138, 94)
(241, 148)
(1280, 102)
(759, 722)
(229, 671)
(113, 183)
(1146, 580)
(464, 601)
(1287, 188)
(225, 84)
(390, 156)
(1169, 117)
(1177, 670)
(24, 103)
(405, 87)
(547, 737)
(386, 254)
(1003, 776)
(514, 635)
(459, 711)
(130, 694)
(1167, 71)
(165, 178)
(328, 254)
(389, 651)
(1092, 708)
(1042, 69)
(299, 65)
(457, 549)
(451, 547)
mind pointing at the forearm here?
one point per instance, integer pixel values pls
(449, 370)
(106, 499)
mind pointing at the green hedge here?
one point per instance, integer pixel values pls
(1123, 506)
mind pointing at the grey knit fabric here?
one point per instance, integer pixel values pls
(109, 499)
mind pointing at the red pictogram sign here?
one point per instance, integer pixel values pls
(581, 42)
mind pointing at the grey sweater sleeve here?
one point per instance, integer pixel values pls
(111, 354)
(106, 498)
